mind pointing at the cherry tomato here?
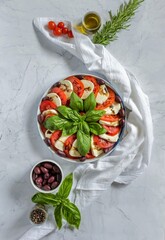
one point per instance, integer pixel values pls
(68, 144)
(46, 104)
(65, 30)
(51, 25)
(108, 102)
(60, 25)
(112, 130)
(57, 31)
(56, 135)
(101, 142)
(61, 94)
(94, 81)
(70, 34)
(110, 118)
(78, 86)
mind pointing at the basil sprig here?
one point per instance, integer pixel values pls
(81, 118)
(63, 207)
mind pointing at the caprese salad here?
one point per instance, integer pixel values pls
(81, 117)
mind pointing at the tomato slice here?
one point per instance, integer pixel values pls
(68, 144)
(43, 129)
(101, 142)
(110, 118)
(56, 135)
(78, 86)
(89, 155)
(60, 93)
(112, 130)
(108, 102)
(47, 104)
(49, 115)
(94, 81)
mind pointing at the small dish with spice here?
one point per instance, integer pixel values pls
(38, 214)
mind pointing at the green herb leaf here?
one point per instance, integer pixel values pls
(58, 215)
(96, 128)
(90, 102)
(83, 126)
(72, 214)
(83, 142)
(76, 114)
(68, 113)
(69, 131)
(117, 22)
(56, 123)
(66, 186)
(76, 103)
(46, 198)
(94, 115)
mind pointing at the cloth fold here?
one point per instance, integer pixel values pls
(132, 155)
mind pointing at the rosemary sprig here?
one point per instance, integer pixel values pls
(117, 22)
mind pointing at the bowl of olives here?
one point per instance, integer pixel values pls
(46, 176)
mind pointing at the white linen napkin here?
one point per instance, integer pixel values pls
(132, 155)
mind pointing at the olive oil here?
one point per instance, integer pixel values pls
(91, 22)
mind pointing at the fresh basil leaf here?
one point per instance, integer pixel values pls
(90, 102)
(58, 215)
(94, 115)
(77, 114)
(82, 117)
(46, 198)
(76, 103)
(67, 113)
(96, 128)
(83, 142)
(72, 214)
(83, 126)
(66, 186)
(69, 131)
(56, 123)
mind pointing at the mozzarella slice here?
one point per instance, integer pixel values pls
(67, 87)
(102, 95)
(96, 151)
(48, 133)
(59, 144)
(46, 112)
(114, 124)
(113, 109)
(109, 138)
(55, 98)
(88, 88)
(74, 151)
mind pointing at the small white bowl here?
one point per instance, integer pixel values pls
(35, 186)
